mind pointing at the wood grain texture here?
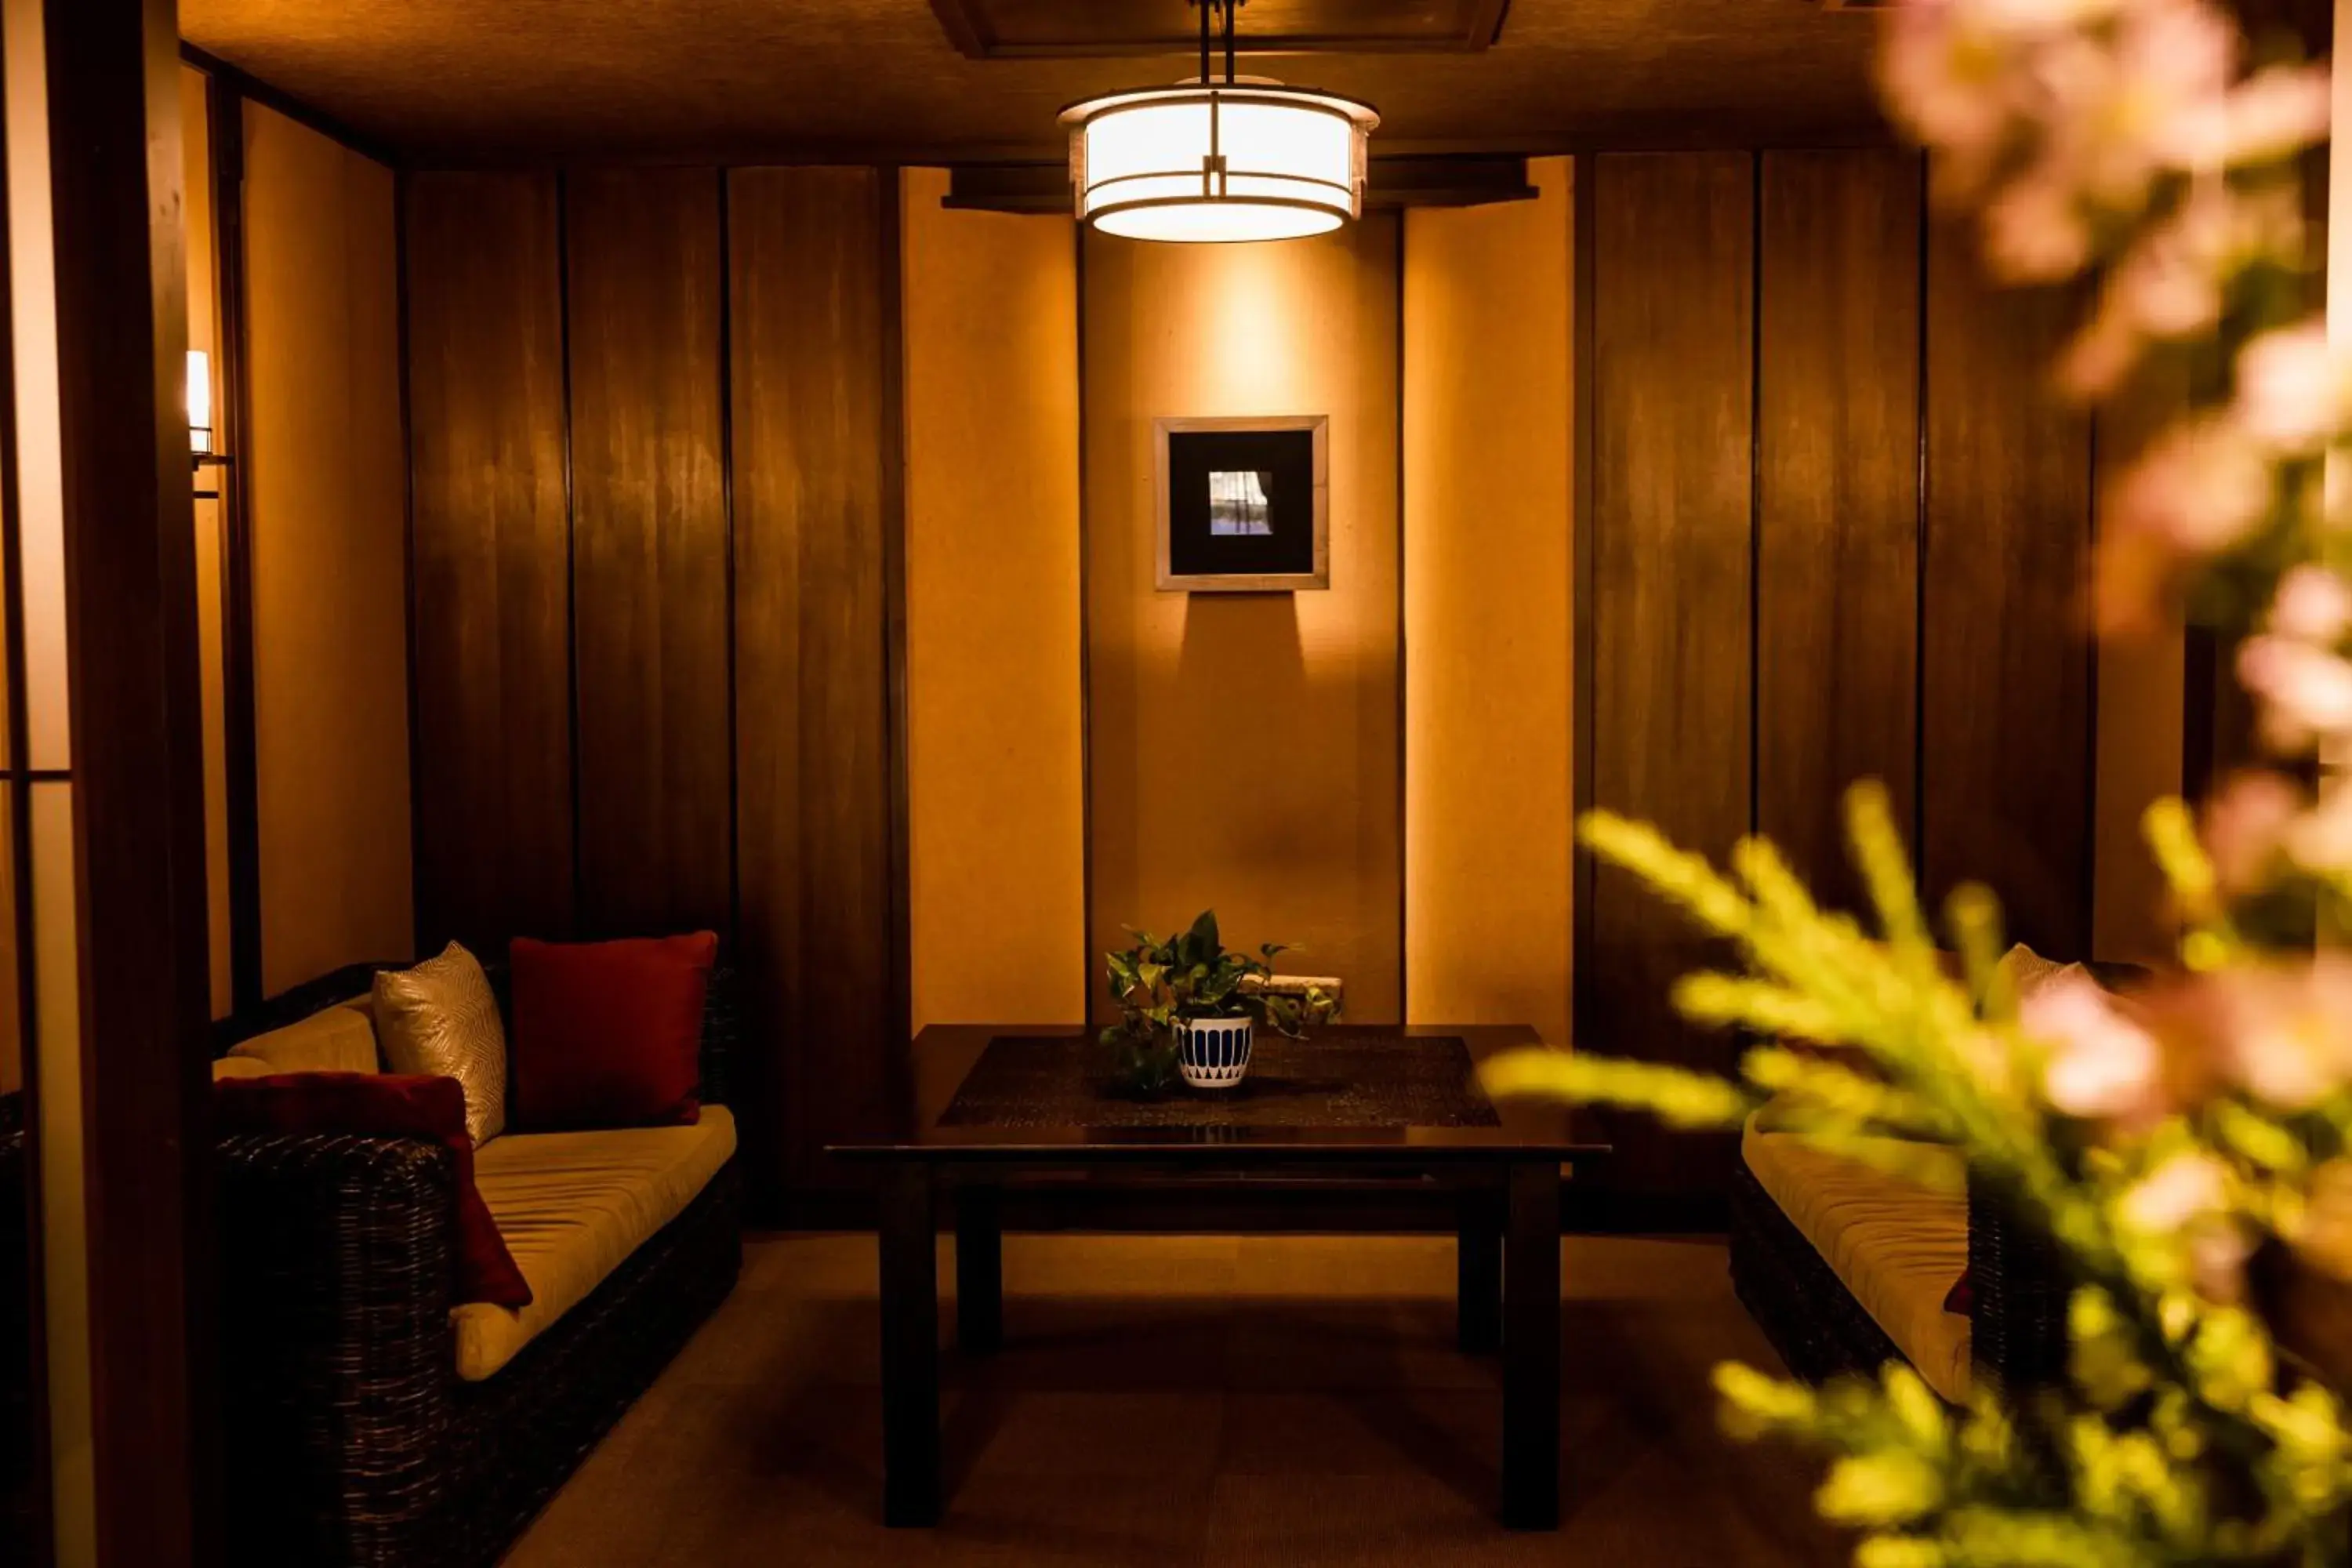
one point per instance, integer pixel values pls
(489, 616)
(2141, 711)
(129, 1237)
(2006, 712)
(1838, 499)
(812, 264)
(650, 548)
(1046, 29)
(1670, 536)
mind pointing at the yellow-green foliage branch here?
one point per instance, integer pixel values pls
(2177, 1436)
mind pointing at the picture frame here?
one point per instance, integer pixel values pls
(1244, 503)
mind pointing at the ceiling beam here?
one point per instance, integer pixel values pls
(1084, 29)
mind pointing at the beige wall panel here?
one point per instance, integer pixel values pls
(39, 478)
(65, 1261)
(327, 472)
(1489, 609)
(996, 779)
(1243, 749)
(196, 159)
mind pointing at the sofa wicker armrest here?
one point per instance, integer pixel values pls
(338, 1362)
(2018, 1276)
(2017, 1317)
(722, 1024)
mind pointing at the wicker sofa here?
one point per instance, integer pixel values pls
(363, 1428)
(1845, 1268)
(2013, 1333)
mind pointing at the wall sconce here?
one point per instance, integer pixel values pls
(201, 454)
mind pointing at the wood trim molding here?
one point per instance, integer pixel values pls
(248, 86)
(224, 107)
(898, 1039)
(1583, 299)
(121, 316)
(17, 824)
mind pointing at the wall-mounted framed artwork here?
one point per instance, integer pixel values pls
(1244, 504)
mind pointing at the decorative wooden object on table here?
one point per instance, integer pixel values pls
(989, 1104)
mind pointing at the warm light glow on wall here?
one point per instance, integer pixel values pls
(1244, 160)
(200, 401)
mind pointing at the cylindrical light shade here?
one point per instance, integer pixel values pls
(1242, 160)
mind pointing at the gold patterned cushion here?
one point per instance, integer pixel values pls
(441, 1018)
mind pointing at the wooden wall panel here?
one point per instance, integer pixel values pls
(2141, 684)
(812, 266)
(1668, 591)
(1838, 497)
(649, 540)
(489, 616)
(2006, 752)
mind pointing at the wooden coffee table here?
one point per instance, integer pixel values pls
(986, 1104)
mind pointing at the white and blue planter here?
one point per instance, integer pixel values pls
(1213, 1053)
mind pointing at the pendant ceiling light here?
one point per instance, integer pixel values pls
(1210, 159)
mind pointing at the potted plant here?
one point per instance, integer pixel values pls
(1188, 1007)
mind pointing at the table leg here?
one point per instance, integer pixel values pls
(1531, 1348)
(1478, 1270)
(980, 1269)
(911, 1348)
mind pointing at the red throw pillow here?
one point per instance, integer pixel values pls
(608, 1034)
(386, 1105)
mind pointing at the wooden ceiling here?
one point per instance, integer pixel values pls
(529, 82)
(1042, 29)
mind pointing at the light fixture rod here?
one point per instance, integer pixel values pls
(1209, 11)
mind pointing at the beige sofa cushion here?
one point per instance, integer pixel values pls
(1899, 1247)
(340, 1039)
(572, 1206)
(233, 1065)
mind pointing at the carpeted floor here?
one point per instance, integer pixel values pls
(1210, 1400)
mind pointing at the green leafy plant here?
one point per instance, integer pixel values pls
(1193, 975)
